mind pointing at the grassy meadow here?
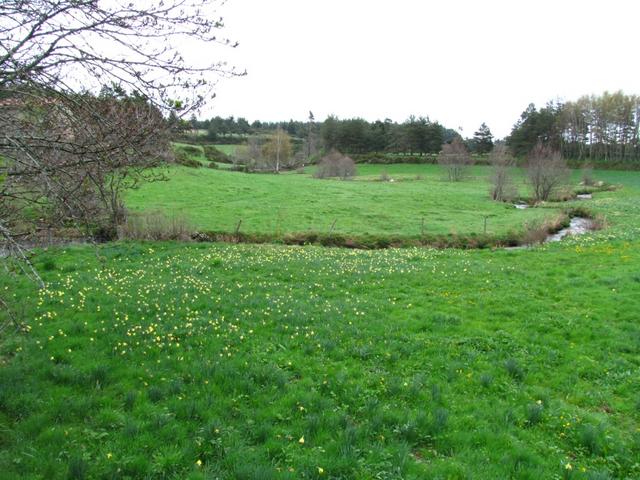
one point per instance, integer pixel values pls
(291, 202)
(167, 360)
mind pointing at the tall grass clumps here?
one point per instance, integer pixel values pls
(537, 232)
(155, 225)
(592, 439)
(514, 369)
(534, 413)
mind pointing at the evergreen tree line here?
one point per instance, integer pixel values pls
(417, 135)
(597, 128)
(219, 128)
(594, 128)
(414, 136)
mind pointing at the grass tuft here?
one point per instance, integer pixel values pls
(78, 468)
(534, 413)
(514, 369)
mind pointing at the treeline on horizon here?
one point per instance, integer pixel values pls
(598, 128)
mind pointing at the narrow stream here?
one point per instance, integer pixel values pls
(578, 226)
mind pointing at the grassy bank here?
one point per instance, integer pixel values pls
(417, 208)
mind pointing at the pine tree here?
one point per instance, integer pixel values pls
(483, 139)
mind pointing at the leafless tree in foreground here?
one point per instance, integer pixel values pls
(502, 187)
(66, 151)
(335, 164)
(141, 45)
(547, 171)
(455, 159)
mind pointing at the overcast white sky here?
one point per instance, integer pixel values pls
(461, 62)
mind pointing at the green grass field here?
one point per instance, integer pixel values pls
(212, 361)
(217, 200)
(228, 149)
(202, 361)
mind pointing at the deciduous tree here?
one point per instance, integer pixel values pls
(547, 171)
(277, 151)
(454, 158)
(502, 187)
(62, 142)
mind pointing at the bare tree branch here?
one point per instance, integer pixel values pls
(86, 87)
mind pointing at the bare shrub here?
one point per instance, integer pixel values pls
(587, 176)
(537, 231)
(599, 222)
(335, 164)
(563, 194)
(547, 171)
(502, 187)
(78, 157)
(250, 155)
(455, 159)
(155, 225)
